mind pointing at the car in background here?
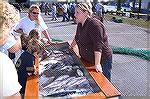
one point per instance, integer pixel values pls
(112, 6)
(108, 8)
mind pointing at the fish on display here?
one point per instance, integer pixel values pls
(62, 74)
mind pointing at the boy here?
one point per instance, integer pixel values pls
(25, 64)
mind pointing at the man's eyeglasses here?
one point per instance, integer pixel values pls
(35, 13)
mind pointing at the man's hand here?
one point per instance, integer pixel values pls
(29, 74)
(19, 31)
(98, 68)
(50, 41)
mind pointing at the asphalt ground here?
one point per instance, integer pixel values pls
(130, 74)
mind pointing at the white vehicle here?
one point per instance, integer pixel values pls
(110, 8)
(114, 8)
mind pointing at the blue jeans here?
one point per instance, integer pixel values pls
(106, 67)
(65, 17)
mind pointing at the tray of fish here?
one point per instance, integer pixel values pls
(62, 74)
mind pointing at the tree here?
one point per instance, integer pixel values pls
(139, 10)
(134, 1)
(140, 1)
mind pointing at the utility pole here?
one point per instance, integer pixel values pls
(139, 10)
(119, 5)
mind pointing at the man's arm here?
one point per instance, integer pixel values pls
(73, 43)
(20, 31)
(15, 47)
(97, 61)
(45, 32)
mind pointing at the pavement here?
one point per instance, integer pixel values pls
(130, 75)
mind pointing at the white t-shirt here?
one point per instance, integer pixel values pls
(9, 76)
(27, 25)
(10, 42)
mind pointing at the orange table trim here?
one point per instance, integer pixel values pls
(107, 89)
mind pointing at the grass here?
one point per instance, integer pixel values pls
(145, 54)
(132, 21)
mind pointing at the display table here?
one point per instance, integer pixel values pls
(32, 84)
(107, 89)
